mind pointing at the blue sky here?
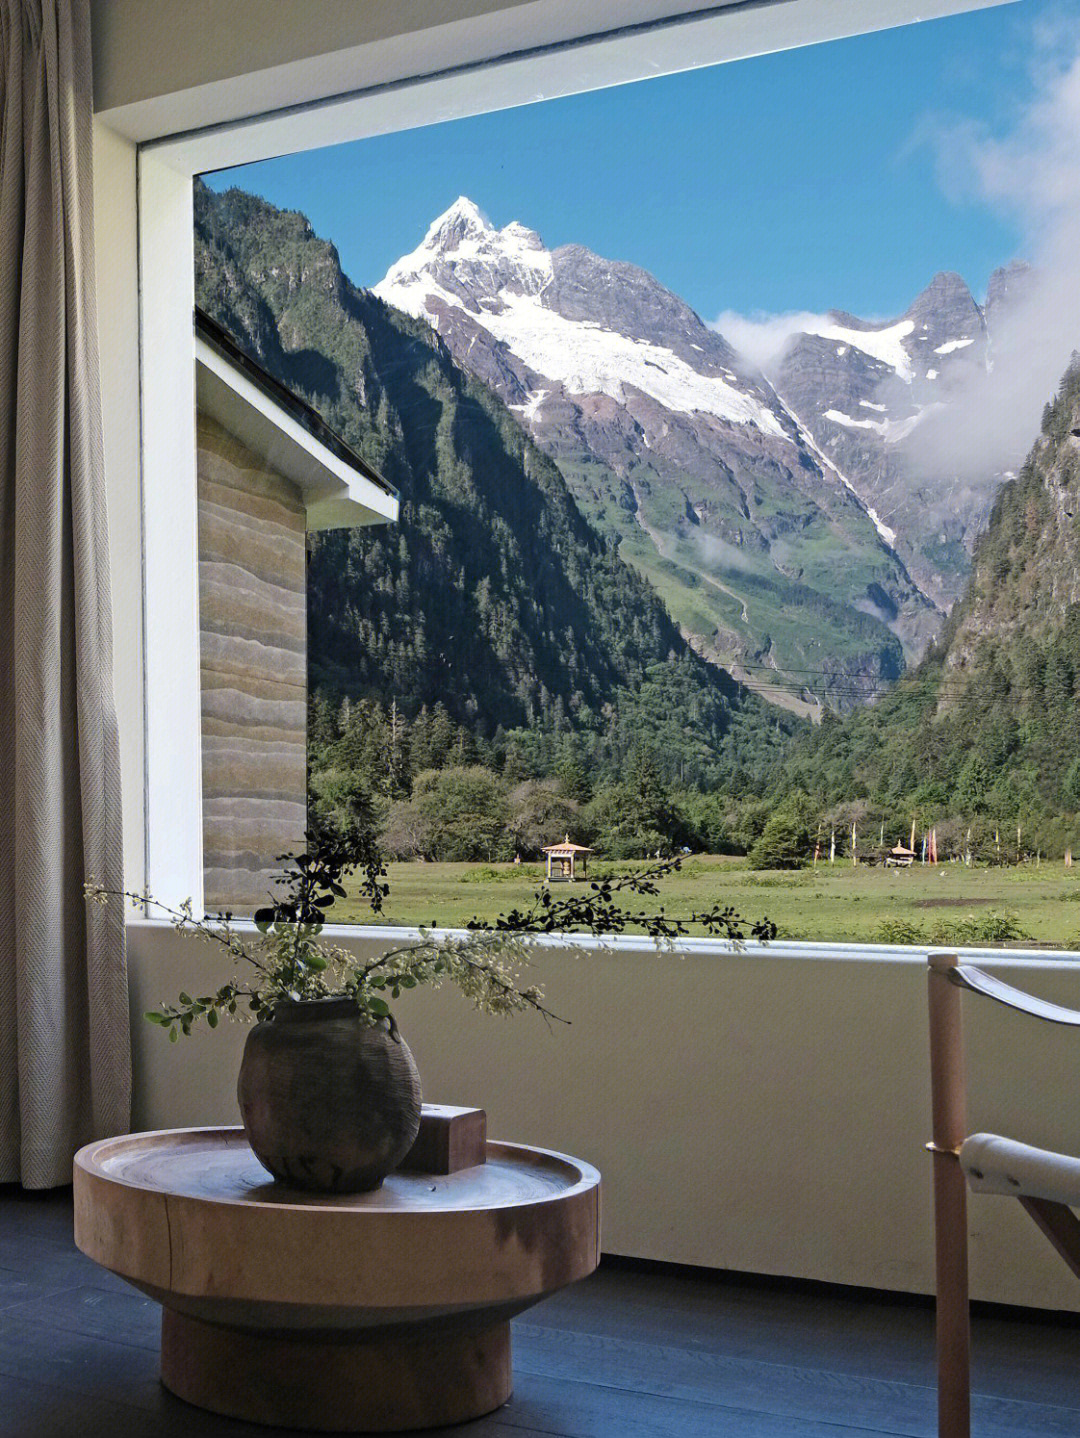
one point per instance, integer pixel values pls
(805, 180)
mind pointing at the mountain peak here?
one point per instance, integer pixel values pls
(1008, 283)
(464, 219)
(947, 306)
(945, 292)
(462, 259)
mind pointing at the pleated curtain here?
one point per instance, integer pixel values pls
(64, 1033)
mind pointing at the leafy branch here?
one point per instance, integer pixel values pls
(597, 910)
(291, 962)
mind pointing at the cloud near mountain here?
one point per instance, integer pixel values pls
(762, 337)
(1031, 172)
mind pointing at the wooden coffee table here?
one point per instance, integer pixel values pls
(377, 1312)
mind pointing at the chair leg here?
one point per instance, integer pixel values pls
(947, 1085)
(1059, 1224)
(953, 1310)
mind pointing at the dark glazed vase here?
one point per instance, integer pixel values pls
(329, 1103)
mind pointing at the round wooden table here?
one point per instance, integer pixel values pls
(375, 1312)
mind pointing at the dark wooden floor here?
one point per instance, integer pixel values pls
(632, 1353)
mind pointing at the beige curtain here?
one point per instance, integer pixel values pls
(64, 1036)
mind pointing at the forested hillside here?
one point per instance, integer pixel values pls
(493, 626)
(985, 734)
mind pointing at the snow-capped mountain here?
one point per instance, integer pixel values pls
(583, 324)
(757, 540)
(868, 393)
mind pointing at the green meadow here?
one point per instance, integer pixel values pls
(1031, 904)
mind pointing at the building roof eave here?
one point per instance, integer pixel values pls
(338, 488)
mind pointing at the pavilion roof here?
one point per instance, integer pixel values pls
(566, 847)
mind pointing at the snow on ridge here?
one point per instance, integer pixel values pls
(892, 431)
(885, 345)
(582, 356)
(531, 408)
(950, 345)
(887, 534)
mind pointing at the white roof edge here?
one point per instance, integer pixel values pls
(335, 495)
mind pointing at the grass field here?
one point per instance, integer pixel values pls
(829, 902)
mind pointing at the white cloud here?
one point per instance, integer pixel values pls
(1029, 171)
(762, 338)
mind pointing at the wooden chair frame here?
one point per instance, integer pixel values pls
(948, 1085)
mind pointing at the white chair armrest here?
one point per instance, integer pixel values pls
(1002, 1165)
(978, 981)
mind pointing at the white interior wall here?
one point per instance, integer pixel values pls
(763, 1113)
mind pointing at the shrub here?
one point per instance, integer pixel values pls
(899, 931)
(997, 926)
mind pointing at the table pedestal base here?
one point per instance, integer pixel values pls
(336, 1384)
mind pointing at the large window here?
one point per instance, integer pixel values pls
(699, 501)
(696, 551)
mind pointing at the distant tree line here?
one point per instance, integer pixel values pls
(432, 788)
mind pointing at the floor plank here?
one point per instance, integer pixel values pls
(769, 1387)
(1033, 1358)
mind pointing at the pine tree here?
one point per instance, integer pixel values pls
(574, 782)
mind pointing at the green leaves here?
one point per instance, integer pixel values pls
(288, 962)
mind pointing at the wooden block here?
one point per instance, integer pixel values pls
(449, 1139)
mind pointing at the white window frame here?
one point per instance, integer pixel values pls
(172, 854)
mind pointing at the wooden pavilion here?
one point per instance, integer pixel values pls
(565, 856)
(900, 857)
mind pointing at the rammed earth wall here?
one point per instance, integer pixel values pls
(253, 633)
